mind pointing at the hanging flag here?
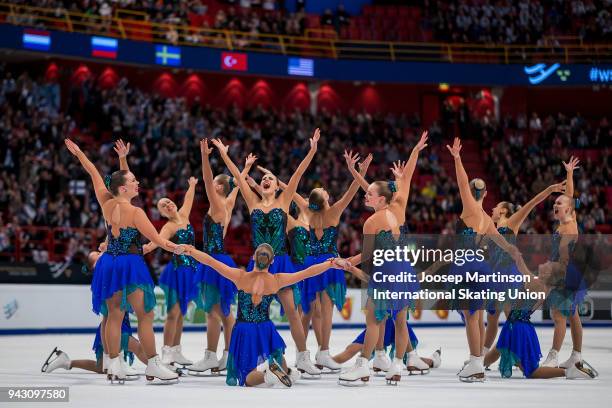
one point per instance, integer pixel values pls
(234, 61)
(36, 40)
(301, 66)
(104, 47)
(168, 55)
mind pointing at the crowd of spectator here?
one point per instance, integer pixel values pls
(42, 185)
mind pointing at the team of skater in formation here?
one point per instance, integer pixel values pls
(296, 262)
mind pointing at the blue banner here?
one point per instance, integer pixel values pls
(210, 59)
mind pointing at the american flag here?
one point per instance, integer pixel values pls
(301, 66)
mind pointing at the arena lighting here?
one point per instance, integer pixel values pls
(443, 87)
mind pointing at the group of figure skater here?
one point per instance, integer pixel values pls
(296, 262)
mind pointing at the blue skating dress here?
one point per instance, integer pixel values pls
(177, 279)
(502, 262)
(254, 339)
(390, 336)
(299, 243)
(122, 268)
(126, 333)
(332, 281)
(214, 288)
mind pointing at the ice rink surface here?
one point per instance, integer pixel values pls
(22, 357)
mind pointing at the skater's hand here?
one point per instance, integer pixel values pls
(179, 250)
(251, 158)
(263, 169)
(351, 159)
(192, 181)
(220, 146)
(102, 247)
(121, 148)
(558, 188)
(398, 169)
(73, 147)
(363, 166)
(187, 249)
(572, 164)
(422, 142)
(204, 149)
(456, 149)
(315, 139)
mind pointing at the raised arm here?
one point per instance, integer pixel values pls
(102, 193)
(516, 219)
(188, 199)
(462, 178)
(403, 189)
(287, 195)
(209, 185)
(248, 195)
(301, 202)
(122, 151)
(569, 168)
(244, 174)
(142, 223)
(233, 274)
(349, 194)
(351, 159)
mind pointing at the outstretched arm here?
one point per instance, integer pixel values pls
(231, 198)
(122, 151)
(188, 200)
(349, 194)
(102, 193)
(351, 159)
(233, 274)
(300, 201)
(287, 195)
(519, 216)
(462, 178)
(569, 168)
(248, 195)
(403, 189)
(165, 233)
(286, 279)
(143, 224)
(207, 175)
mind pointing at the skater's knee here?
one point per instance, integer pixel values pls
(174, 313)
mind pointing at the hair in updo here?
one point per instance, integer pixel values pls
(224, 180)
(383, 189)
(509, 207)
(117, 179)
(478, 188)
(264, 255)
(316, 202)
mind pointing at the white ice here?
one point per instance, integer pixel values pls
(22, 356)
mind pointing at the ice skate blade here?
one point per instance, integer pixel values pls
(114, 380)
(307, 376)
(280, 374)
(480, 377)
(380, 373)
(206, 373)
(180, 365)
(360, 382)
(327, 370)
(590, 367)
(417, 371)
(48, 361)
(151, 380)
(394, 380)
(132, 377)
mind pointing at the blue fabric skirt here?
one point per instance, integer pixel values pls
(332, 281)
(178, 286)
(384, 308)
(570, 294)
(507, 270)
(390, 335)
(126, 333)
(518, 343)
(213, 288)
(483, 268)
(251, 345)
(283, 264)
(125, 273)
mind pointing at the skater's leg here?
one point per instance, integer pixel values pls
(179, 330)
(348, 353)
(227, 322)
(113, 324)
(306, 318)
(560, 328)
(576, 331)
(547, 372)
(492, 326)
(372, 330)
(295, 323)
(102, 336)
(170, 325)
(135, 347)
(491, 357)
(145, 323)
(380, 343)
(327, 310)
(481, 328)
(316, 321)
(472, 331)
(255, 378)
(401, 333)
(213, 331)
(88, 365)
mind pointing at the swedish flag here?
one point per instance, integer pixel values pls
(168, 55)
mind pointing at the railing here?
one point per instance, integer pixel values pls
(131, 25)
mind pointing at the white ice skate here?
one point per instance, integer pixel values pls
(223, 361)
(436, 357)
(394, 374)
(552, 359)
(304, 365)
(274, 374)
(381, 363)
(61, 360)
(105, 362)
(114, 371)
(416, 365)
(167, 355)
(359, 374)
(575, 357)
(580, 371)
(325, 362)
(130, 373)
(208, 363)
(157, 373)
(179, 358)
(293, 374)
(473, 371)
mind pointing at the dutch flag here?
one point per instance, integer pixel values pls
(104, 47)
(301, 66)
(37, 40)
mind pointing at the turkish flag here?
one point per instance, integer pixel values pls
(234, 61)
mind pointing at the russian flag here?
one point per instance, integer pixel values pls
(104, 47)
(36, 40)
